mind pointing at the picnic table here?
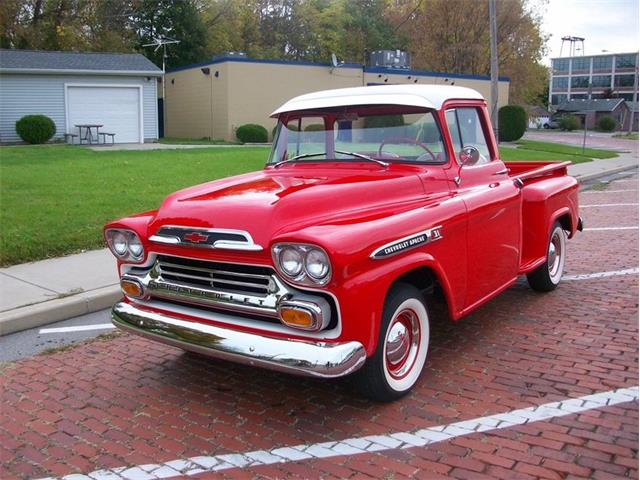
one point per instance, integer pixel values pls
(88, 134)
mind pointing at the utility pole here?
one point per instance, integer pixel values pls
(162, 42)
(494, 66)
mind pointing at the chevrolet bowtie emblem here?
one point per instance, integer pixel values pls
(195, 237)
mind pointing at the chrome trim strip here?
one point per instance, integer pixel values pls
(405, 243)
(315, 359)
(162, 239)
(249, 245)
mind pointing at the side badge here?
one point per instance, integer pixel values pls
(406, 243)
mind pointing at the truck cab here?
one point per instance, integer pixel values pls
(322, 263)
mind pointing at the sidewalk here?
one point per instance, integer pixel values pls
(43, 292)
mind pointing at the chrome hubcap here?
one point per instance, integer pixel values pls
(554, 254)
(402, 342)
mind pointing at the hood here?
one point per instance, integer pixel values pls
(276, 201)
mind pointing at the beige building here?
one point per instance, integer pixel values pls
(212, 99)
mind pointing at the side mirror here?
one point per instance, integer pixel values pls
(469, 155)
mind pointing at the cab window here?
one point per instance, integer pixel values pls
(465, 128)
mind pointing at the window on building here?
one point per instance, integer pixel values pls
(602, 63)
(581, 63)
(579, 96)
(626, 96)
(624, 80)
(626, 61)
(601, 81)
(561, 65)
(560, 82)
(580, 82)
(558, 99)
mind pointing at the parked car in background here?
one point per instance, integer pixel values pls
(553, 122)
(327, 262)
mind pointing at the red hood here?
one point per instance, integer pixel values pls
(276, 201)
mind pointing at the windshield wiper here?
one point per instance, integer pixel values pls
(298, 157)
(364, 157)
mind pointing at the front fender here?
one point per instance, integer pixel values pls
(362, 296)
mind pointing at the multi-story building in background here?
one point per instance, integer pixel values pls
(610, 75)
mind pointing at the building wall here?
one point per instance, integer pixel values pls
(571, 76)
(22, 95)
(205, 105)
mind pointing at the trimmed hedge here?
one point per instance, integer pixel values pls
(35, 129)
(512, 123)
(314, 127)
(569, 122)
(607, 124)
(252, 133)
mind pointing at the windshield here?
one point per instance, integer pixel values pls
(359, 135)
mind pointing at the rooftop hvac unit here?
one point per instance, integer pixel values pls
(390, 59)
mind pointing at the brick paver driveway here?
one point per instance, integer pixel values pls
(126, 402)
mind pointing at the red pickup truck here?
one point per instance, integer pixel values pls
(374, 203)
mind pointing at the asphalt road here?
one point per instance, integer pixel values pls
(36, 340)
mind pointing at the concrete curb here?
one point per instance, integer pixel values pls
(594, 176)
(31, 316)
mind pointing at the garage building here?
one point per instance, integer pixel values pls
(212, 99)
(116, 90)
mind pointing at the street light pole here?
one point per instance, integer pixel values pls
(494, 66)
(635, 97)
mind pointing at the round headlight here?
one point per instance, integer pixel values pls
(316, 264)
(291, 261)
(135, 246)
(119, 242)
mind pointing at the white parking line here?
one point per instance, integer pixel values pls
(602, 229)
(608, 191)
(609, 205)
(368, 444)
(587, 276)
(78, 328)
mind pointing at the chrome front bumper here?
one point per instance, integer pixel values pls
(314, 359)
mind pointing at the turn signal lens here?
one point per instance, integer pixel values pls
(297, 318)
(131, 288)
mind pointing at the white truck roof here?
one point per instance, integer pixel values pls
(426, 96)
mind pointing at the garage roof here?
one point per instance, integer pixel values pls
(41, 61)
(426, 96)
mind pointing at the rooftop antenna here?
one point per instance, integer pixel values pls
(573, 45)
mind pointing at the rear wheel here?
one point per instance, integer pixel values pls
(547, 276)
(403, 341)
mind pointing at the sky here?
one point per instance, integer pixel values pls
(605, 24)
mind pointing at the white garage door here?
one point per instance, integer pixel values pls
(116, 108)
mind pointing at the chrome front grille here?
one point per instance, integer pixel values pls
(254, 280)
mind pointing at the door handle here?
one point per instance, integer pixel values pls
(502, 172)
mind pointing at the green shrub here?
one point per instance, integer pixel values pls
(569, 122)
(607, 124)
(252, 133)
(512, 123)
(314, 127)
(35, 128)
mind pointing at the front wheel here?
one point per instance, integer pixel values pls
(547, 276)
(403, 341)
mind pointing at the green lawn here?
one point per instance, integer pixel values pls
(55, 198)
(509, 154)
(189, 141)
(565, 149)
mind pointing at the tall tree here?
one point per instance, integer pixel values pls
(181, 20)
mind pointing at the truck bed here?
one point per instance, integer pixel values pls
(530, 170)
